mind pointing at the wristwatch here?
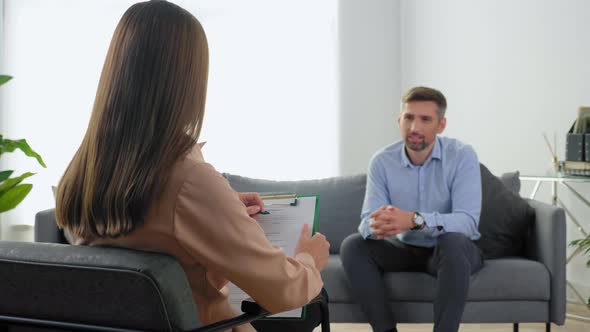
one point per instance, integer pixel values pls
(418, 220)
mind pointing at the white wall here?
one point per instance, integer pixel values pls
(511, 70)
(272, 95)
(2, 225)
(370, 76)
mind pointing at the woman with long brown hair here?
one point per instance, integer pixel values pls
(139, 180)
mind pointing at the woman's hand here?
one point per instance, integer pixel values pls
(317, 246)
(253, 203)
(217, 281)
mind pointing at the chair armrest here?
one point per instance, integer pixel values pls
(250, 306)
(46, 229)
(252, 311)
(547, 244)
(224, 325)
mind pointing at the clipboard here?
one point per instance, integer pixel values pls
(302, 208)
(293, 200)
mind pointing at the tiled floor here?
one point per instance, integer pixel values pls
(571, 325)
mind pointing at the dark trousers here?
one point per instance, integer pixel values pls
(452, 262)
(313, 318)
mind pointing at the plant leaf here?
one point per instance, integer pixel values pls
(10, 183)
(11, 198)
(7, 145)
(581, 242)
(4, 79)
(5, 175)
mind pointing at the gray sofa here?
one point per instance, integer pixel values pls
(507, 290)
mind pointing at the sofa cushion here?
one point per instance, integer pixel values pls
(511, 180)
(505, 218)
(341, 200)
(529, 281)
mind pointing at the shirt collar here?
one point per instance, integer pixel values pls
(405, 160)
(435, 154)
(437, 151)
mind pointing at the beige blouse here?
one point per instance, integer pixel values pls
(200, 220)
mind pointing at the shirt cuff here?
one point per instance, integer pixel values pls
(365, 229)
(305, 259)
(432, 222)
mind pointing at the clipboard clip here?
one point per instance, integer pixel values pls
(279, 199)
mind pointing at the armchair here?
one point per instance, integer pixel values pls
(60, 287)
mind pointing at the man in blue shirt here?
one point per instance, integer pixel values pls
(421, 213)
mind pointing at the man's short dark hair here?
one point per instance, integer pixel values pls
(422, 93)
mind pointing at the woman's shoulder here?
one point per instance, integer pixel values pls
(192, 164)
(192, 169)
(194, 155)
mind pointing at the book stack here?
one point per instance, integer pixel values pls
(578, 168)
(577, 146)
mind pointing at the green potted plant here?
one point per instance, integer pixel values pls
(12, 190)
(584, 247)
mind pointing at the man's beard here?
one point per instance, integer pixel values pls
(420, 146)
(416, 147)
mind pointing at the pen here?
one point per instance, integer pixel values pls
(262, 212)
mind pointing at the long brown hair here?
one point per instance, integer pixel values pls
(147, 114)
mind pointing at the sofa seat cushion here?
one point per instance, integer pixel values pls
(335, 281)
(503, 279)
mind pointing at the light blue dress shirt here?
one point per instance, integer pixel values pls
(445, 190)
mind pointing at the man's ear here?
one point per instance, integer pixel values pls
(442, 124)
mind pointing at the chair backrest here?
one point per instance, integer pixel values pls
(97, 286)
(46, 229)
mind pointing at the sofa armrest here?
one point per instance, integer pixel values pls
(547, 244)
(46, 229)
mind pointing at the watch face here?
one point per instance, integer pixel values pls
(418, 220)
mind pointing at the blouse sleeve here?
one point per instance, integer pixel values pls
(212, 225)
